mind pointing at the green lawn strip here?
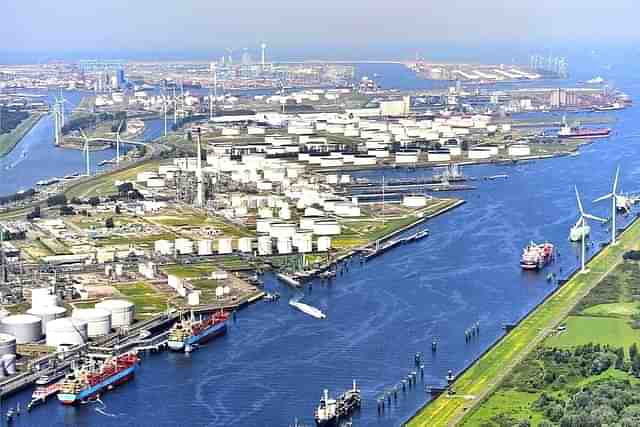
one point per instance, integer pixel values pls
(484, 375)
(602, 330)
(9, 140)
(616, 309)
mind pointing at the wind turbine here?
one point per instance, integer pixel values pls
(86, 152)
(581, 230)
(618, 201)
(118, 143)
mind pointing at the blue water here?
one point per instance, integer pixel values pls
(37, 158)
(274, 362)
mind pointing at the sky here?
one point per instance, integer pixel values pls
(326, 28)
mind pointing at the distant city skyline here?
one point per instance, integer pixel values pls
(72, 28)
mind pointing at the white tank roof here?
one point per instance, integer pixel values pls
(115, 304)
(4, 338)
(20, 319)
(90, 313)
(65, 324)
(50, 309)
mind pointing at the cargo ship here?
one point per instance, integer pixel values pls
(569, 132)
(87, 382)
(187, 333)
(330, 411)
(537, 256)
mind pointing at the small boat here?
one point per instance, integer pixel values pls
(537, 256)
(307, 309)
(494, 177)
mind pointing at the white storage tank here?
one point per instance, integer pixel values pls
(7, 344)
(327, 228)
(156, 183)
(43, 297)
(264, 245)
(122, 311)
(303, 240)
(47, 314)
(245, 244)
(25, 327)
(225, 245)
(205, 247)
(307, 222)
(516, 150)
(263, 225)
(442, 155)
(98, 320)
(67, 331)
(184, 246)
(414, 202)
(479, 153)
(324, 243)
(282, 229)
(285, 246)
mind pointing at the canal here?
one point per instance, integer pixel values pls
(274, 363)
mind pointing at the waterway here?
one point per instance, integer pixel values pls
(37, 158)
(275, 361)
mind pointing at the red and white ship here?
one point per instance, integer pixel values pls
(537, 256)
(569, 132)
(89, 381)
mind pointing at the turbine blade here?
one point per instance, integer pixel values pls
(579, 202)
(599, 199)
(615, 181)
(595, 218)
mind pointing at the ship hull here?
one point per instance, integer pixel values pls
(585, 135)
(333, 422)
(90, 393)
(205, 336)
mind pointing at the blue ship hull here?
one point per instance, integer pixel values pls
(206, 335)
(90, 392)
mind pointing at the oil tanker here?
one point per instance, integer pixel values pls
(187, 333)
(89, 381)
(569, 132)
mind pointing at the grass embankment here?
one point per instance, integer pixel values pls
(371, 227)
(104, 185)
(485, 375)
(148, 300)
(9, 140)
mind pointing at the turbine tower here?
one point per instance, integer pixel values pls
(264, 49)
(617, 200)
(86, 152)
(118, 143)
(581, 229)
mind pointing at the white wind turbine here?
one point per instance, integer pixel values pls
(581, 229)
(618, 201)
(86, 152)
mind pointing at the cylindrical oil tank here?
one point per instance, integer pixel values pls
(98, 320)
(122, 311)
(25, 327)
(43, 297)
(7, 344)
(9, 363)
(48, 314)
(66, 331)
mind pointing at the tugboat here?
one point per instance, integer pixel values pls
(46, 386)
(537, 256)
(88, 382)
(330, 411)
(186, 334)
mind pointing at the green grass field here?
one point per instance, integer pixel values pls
(8, 141)
(602, 330)
(147, 300)
(486, 374)
(616, 309)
